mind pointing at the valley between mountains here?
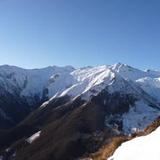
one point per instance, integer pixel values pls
(63, 113)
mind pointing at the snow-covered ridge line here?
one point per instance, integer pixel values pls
(56, 81)
(28, 82)
(90, 81)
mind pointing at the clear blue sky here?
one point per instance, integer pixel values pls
(38, 33)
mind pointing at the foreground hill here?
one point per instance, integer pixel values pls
(143, 147)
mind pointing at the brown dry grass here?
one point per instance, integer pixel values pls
(153, 126)
(107, 150)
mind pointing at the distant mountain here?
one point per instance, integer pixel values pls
(22, 90)
(63, 113)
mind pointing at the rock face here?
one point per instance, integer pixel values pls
(80, 111)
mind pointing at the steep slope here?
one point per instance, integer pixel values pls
(148, 80)
(90, 80)
(151, 86)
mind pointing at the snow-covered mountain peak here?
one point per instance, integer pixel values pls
(118, 66)
(89, 81)
(128, 72)
(81, 81)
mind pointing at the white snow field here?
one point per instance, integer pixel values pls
(141, 148)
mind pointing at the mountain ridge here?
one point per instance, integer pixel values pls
(34, 86)
(82, 108)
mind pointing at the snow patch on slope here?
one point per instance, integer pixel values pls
(33, 137)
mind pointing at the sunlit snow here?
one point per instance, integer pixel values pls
(141, 148)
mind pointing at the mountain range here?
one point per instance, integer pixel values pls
(63, 113)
